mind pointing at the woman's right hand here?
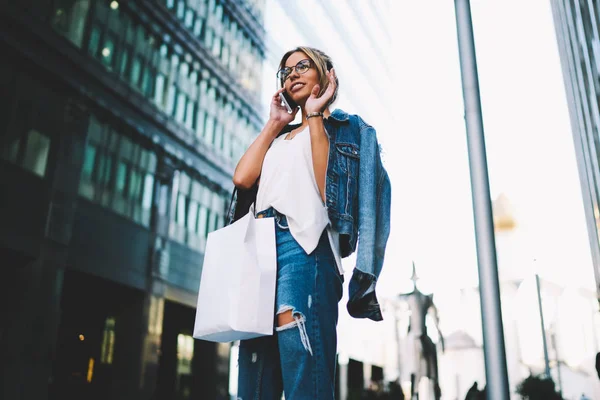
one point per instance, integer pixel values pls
(279, 113)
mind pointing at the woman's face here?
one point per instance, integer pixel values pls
(300, 85)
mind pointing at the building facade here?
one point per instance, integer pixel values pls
(121, 123)
(577, 26)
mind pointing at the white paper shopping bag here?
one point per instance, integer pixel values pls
(236, 299)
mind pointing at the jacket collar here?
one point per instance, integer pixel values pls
(339, 115)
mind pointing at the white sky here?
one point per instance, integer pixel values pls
(529, 145)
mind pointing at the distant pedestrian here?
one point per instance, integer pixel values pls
(473, 393)
(395, 390)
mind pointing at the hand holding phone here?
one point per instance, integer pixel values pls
(282, 109)
(287, 101)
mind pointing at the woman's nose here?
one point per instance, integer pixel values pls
(294, 74)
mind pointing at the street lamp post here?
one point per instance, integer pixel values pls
(556, 356)
(489, 288)
(544, 342)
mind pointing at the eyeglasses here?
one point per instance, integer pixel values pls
(300, 68)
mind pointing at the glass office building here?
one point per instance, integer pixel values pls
(120, 126)
(577, 24)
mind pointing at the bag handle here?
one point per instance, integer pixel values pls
(229, 216)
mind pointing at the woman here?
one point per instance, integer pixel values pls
(310, 177)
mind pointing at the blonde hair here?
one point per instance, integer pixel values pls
(322, 63)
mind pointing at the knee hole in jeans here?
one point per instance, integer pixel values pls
(288, 318)
(284, 318)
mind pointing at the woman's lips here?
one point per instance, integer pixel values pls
(296, 86)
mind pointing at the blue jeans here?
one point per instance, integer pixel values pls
(300, 358)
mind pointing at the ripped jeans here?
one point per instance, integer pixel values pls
(300, 358)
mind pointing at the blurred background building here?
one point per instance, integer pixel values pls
(577, 26)
(120, 125)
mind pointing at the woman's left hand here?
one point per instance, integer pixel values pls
(318, 104)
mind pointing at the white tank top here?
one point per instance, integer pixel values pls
(288, 184)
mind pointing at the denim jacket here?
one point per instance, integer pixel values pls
(358, 199)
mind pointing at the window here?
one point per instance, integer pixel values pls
(181, 9)
(181, 107)
(200, 124)
(157, 65)
(185, 354)
(94, 41)
(108, 341)
(202, 221)
(208, 36)
(192, 215)
(88, 163)
(23, 143)
(181, 209)
(117, 172)
(159, 93)
(199, 210)
(108, 51)
(148, 190)
(198, 25)
(210, 130)
(121, 177)
(218, 139)
(189, 19)
(190, 114)
(36, 152)
(69, 18)
(227, 144)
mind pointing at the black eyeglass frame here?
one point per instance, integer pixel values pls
(285, 72)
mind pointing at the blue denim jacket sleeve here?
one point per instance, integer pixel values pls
(374, 203)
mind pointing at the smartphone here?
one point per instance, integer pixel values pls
(287, 101)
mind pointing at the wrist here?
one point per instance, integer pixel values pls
(314, 114)
(275, 124)
(272, 129)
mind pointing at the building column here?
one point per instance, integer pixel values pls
(153, 308)
(137, 337)
(29, 337)
(28, 341)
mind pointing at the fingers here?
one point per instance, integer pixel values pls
(331, 76)
(276, 95)
(315, 91)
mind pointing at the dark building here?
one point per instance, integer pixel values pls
(120, 125)
(577, 24)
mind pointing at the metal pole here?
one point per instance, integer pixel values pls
(489, 288)
(397, 333)
(557, 356)
(544, 343)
